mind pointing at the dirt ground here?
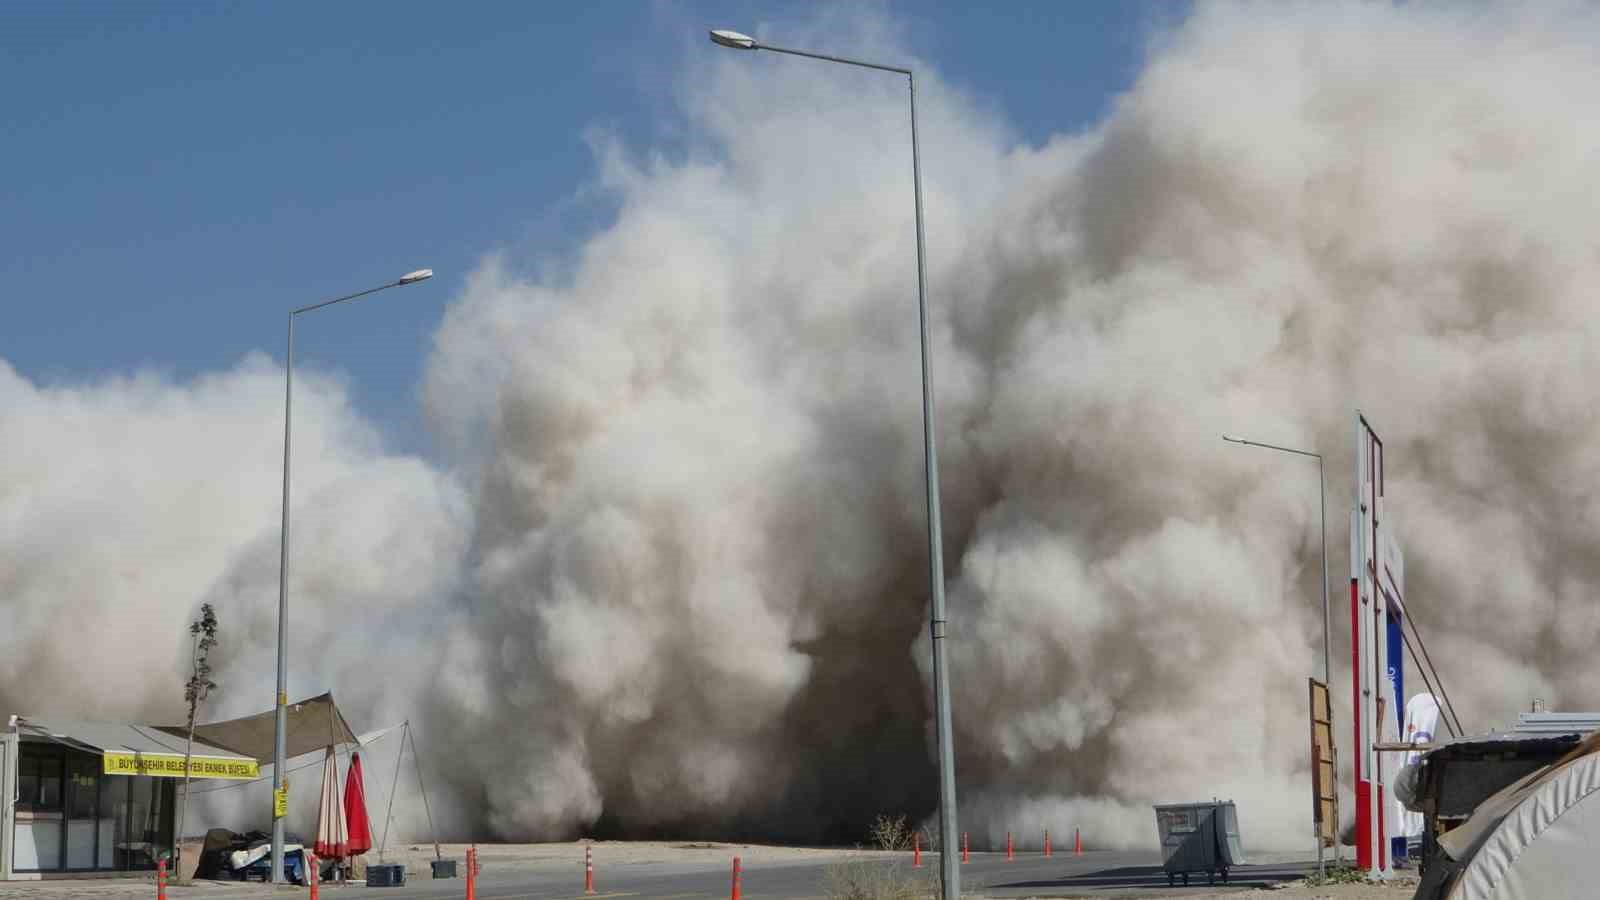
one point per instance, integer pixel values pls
(558, 855)
(1398, 888)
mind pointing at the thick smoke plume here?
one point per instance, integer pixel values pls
(127, 502)
(673, 578)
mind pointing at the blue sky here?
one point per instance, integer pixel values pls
(178, 176)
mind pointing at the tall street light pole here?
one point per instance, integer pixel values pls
(1327, 618)
(950, 874)
(280, 740)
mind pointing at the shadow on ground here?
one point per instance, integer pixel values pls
(1156, 877)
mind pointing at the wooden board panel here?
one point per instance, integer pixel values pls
(1322, 737)
(1324, 796)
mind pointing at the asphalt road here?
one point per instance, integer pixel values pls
(1097, 873)
(1112, 874)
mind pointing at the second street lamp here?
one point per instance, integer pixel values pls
(281, 701)
(1327, 616)
(950, 874)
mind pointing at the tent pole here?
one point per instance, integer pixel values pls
(417, 758)
(393, 786)
(338, 789)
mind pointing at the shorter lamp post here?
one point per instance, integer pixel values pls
(1327, 616)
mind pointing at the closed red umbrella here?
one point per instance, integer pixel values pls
(359, 837)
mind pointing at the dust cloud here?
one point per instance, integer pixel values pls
(671, 577)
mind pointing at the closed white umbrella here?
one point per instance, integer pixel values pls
(331, 843)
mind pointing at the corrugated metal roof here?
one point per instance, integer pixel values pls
(1558, 722)
(1515, 742)
(115, 737)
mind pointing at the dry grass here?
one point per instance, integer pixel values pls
(868, 880)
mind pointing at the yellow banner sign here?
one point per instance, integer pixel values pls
(280, 802)
(170, 765)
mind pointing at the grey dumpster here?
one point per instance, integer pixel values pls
(1199, 837)
(1230, 852)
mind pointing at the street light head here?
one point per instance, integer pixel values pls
(418, 275)
(1232, 439)
(732, 39)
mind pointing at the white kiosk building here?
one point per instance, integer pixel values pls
(85, 799)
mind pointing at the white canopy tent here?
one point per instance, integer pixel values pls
(316, 726)
(312, 726)
(1534, 840)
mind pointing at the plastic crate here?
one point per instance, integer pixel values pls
(386, 875)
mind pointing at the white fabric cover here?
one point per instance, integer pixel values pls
(241, 858)
(1545, 848)
(1422, 717)
(367, 737)
(1406, 784)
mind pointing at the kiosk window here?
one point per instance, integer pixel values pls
(38, 783)
(84, 779)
